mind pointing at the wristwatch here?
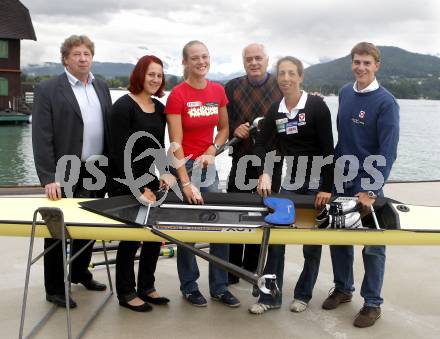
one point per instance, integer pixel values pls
(217, 147)
(372, 195)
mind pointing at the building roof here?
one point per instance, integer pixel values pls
(15, 21)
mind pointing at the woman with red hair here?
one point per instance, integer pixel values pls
(134, 112)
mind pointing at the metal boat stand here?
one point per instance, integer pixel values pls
(258, 280)
(270, 279)
(54, 219)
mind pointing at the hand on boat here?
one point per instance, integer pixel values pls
(53, 191)
(264, 187)
(192, 194)
(321, 199)
(242, 131)
(167, 181)
(365, 201)
(148, 196)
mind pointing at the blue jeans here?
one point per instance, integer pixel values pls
(187, 267)
(307, 279)
(374, 266)
(309, 274)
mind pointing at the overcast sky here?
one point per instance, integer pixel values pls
(312, 30)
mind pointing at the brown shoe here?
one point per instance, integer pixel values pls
(335, 298)
(367, 316)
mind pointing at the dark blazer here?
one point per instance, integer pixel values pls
(57, 125)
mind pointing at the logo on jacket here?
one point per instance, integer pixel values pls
(361, 114)
(301, 119)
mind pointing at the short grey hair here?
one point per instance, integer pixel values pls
(263, 48)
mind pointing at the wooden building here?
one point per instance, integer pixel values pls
(15, 25)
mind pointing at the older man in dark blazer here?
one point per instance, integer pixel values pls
(69, 117)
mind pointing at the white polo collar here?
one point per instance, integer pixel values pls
(370, 88)
(282, 108)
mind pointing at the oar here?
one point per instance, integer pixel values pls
(168, 251)
(256, 124)
(236, 140)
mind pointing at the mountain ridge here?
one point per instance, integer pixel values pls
(406, 74)
(395, 63)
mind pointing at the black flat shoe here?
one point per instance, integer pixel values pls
(141, 308)
(155, 301)
(93, 285)
(60, 300)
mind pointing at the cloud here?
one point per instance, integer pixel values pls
(332, 27)
(310, 30)
(177, 11)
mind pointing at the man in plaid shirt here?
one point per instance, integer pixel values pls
(250, 96)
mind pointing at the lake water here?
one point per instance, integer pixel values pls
(418, 153)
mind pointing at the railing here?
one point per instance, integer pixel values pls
(23, 103)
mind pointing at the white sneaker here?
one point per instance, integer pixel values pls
(298, 306)
(260, 308)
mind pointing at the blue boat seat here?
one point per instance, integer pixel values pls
(283, 211)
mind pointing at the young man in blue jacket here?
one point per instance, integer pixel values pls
(368, 129)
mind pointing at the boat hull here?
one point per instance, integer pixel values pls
(16, 219)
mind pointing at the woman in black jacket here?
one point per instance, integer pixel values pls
(301, 124)
(134, 112)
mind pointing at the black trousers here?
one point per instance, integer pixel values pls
(246, 256)
(125, 276)
(53, 260)
(53, 265)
